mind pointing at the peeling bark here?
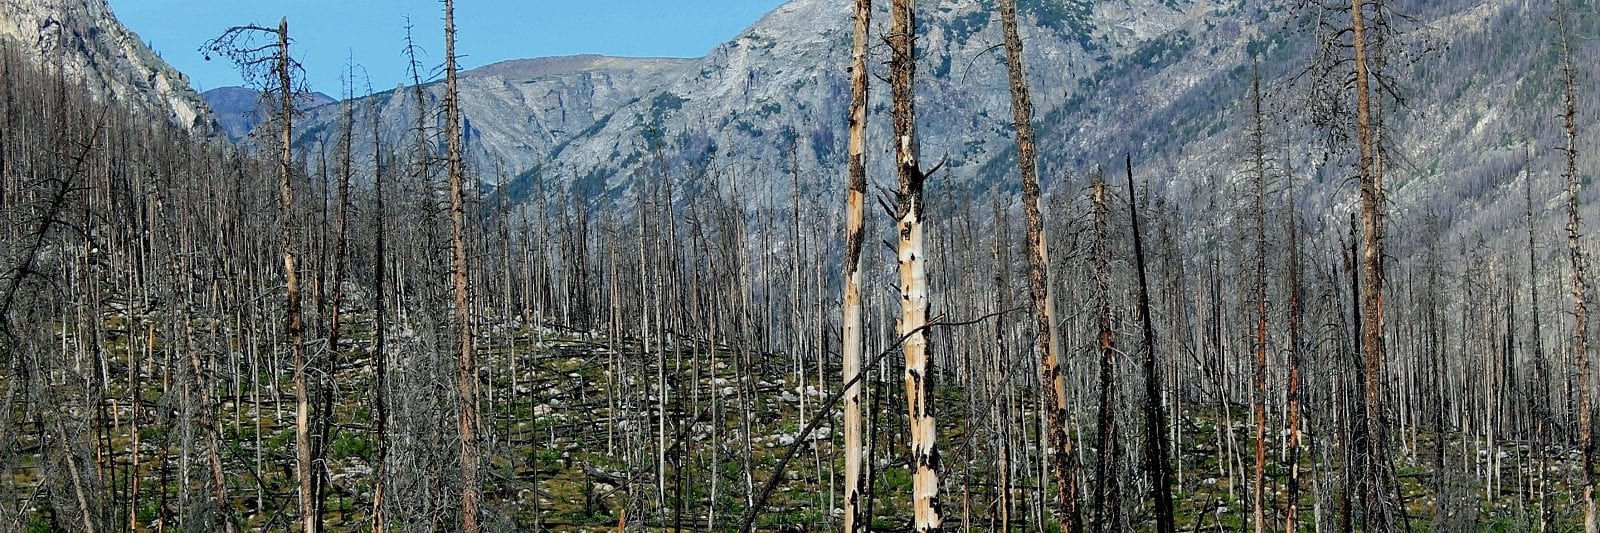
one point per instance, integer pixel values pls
(851, 342)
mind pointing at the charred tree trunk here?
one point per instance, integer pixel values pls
(380, 360)
(1296, 309)
(1108, 489)
(1052, 380)
(1155, 426)
(1580, 357)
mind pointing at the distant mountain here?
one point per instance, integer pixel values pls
(240, 109)
(518, 114)
(85, 40)
(1163, 80)
(779, 85)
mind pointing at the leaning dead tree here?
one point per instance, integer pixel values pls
(1155, 425)
(913, 270)
(270, 66)
(1053, 380)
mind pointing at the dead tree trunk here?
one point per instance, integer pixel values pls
(466, 364)
(380, 361)
(1372, 341)
(1580, 356)
(1052, 380)
(1292, 394)
(291, 278)
(912, 259)
(1155, 424)
(326, 426)
(1108, 490)
(1541, 400)
(851, 343)
(1259, 169)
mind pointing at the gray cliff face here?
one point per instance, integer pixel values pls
(779, 88)
(84, 39)
(782, 88)
(1163, 80)
(517, 113)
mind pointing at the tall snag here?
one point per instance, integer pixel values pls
(272, 66)
(1541, 389)
(1375, 476)
(1292, 392)
(1052, 381)
(1108, 489)
(1580, 357)
(1155, 424)
(380, 362)
(466, 365)
(326, 427)
(302, 406)
(851, 342)
(913, 270)
(1258, 159)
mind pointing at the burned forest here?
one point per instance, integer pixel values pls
(872, 265)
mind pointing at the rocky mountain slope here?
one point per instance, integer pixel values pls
(85, 40)
(517, 113)
(1163, 80)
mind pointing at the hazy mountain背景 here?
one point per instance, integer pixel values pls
(240, 109)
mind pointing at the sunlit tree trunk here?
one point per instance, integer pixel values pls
(926, 514)
(1259, 168)
(291, 277)
(466, 364)
(851, 343)
(1372, 339)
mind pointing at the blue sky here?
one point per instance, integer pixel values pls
(327, 32)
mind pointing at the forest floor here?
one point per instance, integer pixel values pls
(570, 425)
